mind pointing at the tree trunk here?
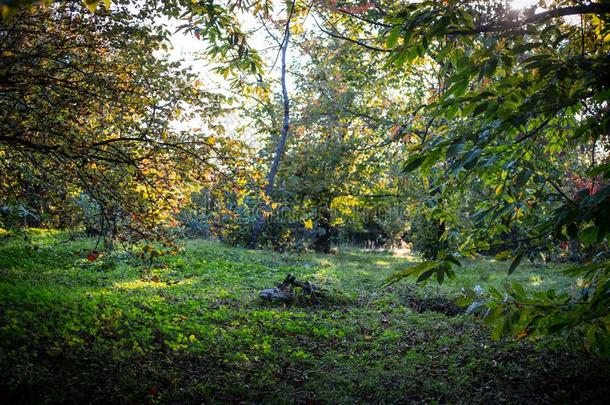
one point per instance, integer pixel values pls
(322, 240)
(281, 145)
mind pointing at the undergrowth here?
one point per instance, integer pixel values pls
(192, 329)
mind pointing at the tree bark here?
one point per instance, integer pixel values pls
(281, 145)
(322, 240)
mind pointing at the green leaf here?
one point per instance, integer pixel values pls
(417, 270)
(455, 148)
(603, 169)
(393, 36)
(471, 158)
(515, 263)
(480, 108)
(518, 290)
(523, 177)
(440, 276)
(441, 56)
(412, 164)
(488, 68)
(458, 88)
(424, 276)
(497, 331)
(453, 260)
(588, 236)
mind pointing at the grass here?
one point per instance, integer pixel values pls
(193, 329)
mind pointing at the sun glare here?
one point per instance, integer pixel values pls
(519, 4)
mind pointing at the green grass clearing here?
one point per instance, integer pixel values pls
(194, 329)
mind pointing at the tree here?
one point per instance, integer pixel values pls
(281, 142)
(344, 117)
(88, 108)
(521, 89)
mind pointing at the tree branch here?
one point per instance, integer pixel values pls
(536, 18)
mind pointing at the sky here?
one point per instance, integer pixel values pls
(188, 49)
(517, 4)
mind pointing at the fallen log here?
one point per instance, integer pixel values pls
(286, 291)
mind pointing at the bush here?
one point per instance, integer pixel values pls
(426, 235)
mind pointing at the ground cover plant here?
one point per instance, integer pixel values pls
(73, 329)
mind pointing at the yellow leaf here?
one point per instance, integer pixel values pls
(91, 4)
(107, 4)
(6, 12)
(308, 224)
(522, 334)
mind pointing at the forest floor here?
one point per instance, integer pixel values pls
(192, 329)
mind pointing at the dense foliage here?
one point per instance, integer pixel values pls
(521, 113)
(90, 123)
(456, 129)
